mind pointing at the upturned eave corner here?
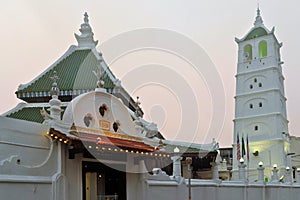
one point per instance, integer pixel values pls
(237, 40)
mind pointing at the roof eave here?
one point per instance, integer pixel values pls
(18, 107)
(237, 40)
(71, 49)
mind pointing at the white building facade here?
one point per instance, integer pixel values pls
(97, 146)
(260, 123)
(80, 135)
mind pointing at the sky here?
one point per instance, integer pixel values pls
(182, 101)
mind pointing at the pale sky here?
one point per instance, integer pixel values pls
(34, 34)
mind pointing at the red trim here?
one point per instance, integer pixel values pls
(85, 137)
(104, 140)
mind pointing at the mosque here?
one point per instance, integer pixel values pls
(78, 134)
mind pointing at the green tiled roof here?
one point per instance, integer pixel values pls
(74, 72)
(29, 114)
(256, 33)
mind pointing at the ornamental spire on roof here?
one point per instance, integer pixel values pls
(258, 19)
(138, 112)
(54, 88)
(86, 39)
(55, 103)
(100, 73)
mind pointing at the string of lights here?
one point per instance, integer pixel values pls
(98, 147)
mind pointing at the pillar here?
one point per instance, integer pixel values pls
(298, 175)
(215, 166)
(288, 179)
(275, 177)
(176, 165)
(261, 174)
(242, 170)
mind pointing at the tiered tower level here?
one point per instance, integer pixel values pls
(260, 102)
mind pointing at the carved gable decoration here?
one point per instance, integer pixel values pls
(100, 111)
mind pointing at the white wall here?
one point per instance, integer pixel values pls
(30, 165)
(73, 172)
(227, 190)
(25, 190)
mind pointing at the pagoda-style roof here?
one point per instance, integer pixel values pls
(258, 30)
(30, 112)
(75, 71)
(75, 77)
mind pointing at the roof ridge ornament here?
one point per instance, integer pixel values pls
(55, 103)
(258, 19)
(54, 88)
(86, 39)
(86, 18)
(100, 73)
(138, 112)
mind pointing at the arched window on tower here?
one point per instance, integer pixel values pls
(263, 49)
(248, 52)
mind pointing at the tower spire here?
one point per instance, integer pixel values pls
(86, 18)
(258, 19)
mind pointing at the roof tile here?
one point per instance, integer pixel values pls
(74, 72)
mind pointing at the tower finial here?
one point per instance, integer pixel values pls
(86, 18)
(258, 19)
(86, 39)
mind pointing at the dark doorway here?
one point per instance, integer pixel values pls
(102, 182)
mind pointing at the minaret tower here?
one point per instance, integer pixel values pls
(260, 103)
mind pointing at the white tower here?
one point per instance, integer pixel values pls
(260, 103)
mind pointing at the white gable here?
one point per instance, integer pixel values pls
(84, 111)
